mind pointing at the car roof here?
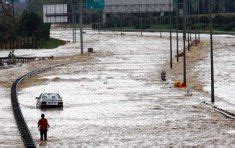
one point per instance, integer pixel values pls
(50, 93)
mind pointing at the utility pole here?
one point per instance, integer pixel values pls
(184, 39)
(81, 24)
(212, 56)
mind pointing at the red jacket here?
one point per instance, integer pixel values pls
(43, 124)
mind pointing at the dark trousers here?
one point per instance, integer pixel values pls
(43, 134)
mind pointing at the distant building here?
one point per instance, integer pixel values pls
(136, 6)
(218, 6)
(15, 1)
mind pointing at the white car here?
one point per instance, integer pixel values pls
(49, 100)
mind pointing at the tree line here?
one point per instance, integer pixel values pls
(22, 31)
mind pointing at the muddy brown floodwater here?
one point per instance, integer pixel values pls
(116, 98)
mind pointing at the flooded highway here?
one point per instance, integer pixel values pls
(115, 98)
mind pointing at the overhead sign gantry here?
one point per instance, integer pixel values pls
(94, 4)
(59, 13)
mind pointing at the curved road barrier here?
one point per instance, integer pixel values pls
(20, 121)
(221, 111)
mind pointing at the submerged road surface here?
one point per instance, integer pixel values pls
(116, 98)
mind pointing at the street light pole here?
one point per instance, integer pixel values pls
(160, 24)
(184, 39)
(99, 21)
(190, 19)
(198, 12)
(171, 61)
(81, 25)
(141, 20)
(188, 23)
(121, 23)
(212, 56)
(177, 30)
(14, 18)
(72, 17)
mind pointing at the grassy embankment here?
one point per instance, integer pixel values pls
(52, 43)
(47, 44)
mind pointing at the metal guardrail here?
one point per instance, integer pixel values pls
(14, 60)
(21, 124)
(20, 121)
(22, 59)
(219, 110)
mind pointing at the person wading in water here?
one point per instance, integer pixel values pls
(43, 125)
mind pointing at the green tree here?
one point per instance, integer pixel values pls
(32, 25)
(35, 6)
(7, 29)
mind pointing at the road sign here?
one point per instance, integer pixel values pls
(55, 13)
(94, 4)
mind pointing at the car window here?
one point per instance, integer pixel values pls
(51, 96)
(44, 97)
